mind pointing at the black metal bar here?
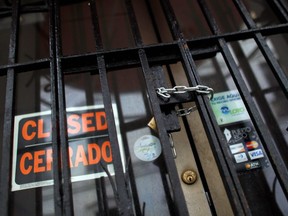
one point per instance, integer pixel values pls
(264, 134)
(279, 11)
(133, 23)
(284, 6)
(24, 67)
(5, 177)
(259, 97)
(269, 144)
(63, 202)
(123, 200)
(262, 44)
(227, 171)
(163, 53)
(179, 200)
(96, 28)
(178, 196)
(57, 176)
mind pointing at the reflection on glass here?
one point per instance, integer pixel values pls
(279, 45)
(77, 29)
(226, 15)
(33, 37)
(246, 151)
(114, 25)
(32, 96)
(147, 169)
(2, 101)
(262, 83)
(5, 25)
(190, 18)
(261, 12)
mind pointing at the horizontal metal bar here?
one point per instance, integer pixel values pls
(157, 54)
(27, 66)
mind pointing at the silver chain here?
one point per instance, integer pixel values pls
(200, 89)
(172, 146)
(185, 111)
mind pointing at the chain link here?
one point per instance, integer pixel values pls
(172, 146)
(200, 89)
(185, 112)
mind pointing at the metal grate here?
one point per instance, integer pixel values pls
(147, 57)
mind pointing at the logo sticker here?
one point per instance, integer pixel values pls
(252, 165)
(227, 134)
(147, 148)
(237, 148)
(252, 145)
(258, 153)
(242, 157)
(225, 110)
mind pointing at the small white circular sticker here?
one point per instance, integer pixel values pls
(147, 148)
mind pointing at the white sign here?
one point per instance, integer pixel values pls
(228, 107)
(89, 147)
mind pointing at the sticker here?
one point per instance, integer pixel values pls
(228, 107)
(258, 153)
(147, 148)
(152, 124)
(252, 145)
(242, 157)
(252, 165)
(237, 148)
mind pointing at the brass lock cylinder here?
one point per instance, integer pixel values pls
(189, 177)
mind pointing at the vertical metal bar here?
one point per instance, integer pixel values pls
(179, 200)
(178, 196)
(264, 134)
(227, 170)
(262, 44)
(54, 119)
(5, 180)
(96, 28)
(63, 201)
(100, 183)
(123, 200)
(124, 203)
(133, 23)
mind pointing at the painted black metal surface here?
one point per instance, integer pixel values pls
(149, 58)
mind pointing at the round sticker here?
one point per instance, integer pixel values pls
(147, 148)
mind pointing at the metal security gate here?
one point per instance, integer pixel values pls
(153, 64)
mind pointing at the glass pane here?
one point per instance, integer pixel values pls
(148, 169)
(279, 44)
(144, 21)
(5, 27)
(2, 101)
(261, 12)
(255, 173)
(31, 151)
(227, 17)
(89, 146)
(114, 24)
(77, 29)
(190, 18)
(33, 37)
(264, 89)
